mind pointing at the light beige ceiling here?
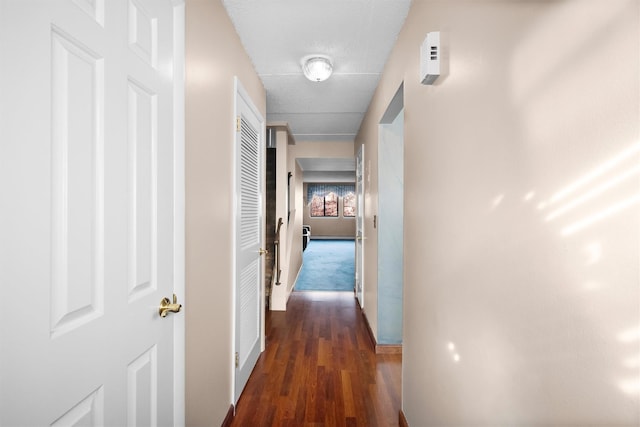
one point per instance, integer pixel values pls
(357, 34)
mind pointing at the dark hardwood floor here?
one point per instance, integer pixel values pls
(319, 369)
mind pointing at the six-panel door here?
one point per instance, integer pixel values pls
(87, 212)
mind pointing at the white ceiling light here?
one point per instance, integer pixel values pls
(317, 68)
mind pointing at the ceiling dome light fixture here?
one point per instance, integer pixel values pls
(317, 68)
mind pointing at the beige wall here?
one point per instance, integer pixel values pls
(295, 227)
(291, 231)
(321, 149)
(521, 235)
(214, 55)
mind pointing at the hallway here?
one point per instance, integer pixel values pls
(319, 369)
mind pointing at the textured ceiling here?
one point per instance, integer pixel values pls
(357, 34)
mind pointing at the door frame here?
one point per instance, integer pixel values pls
(179, 188)
(388, 312)
(241, 92)
(360, 211)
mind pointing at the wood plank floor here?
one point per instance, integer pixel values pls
(319, 369)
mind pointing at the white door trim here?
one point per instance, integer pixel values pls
(360, 234)
(179, 415)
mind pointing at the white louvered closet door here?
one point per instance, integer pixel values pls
(249, 238)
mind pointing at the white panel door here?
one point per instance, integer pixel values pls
(249, 295)
(86, 214)
(360, 226)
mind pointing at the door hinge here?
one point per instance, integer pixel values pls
(238, 121)
(237, 359)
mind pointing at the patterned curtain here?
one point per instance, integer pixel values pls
(321, 190)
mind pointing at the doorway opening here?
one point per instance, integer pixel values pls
(329, 218)
(390, 222)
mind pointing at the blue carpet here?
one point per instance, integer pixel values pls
(327, 265)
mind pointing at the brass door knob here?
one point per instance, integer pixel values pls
(167, 306)
(263, 251)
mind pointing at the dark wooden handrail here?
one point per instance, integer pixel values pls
(276, 243)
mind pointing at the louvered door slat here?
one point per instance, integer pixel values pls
(249, 273)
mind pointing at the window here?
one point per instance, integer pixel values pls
(324, 206)
(349, 204)
(324, 200)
